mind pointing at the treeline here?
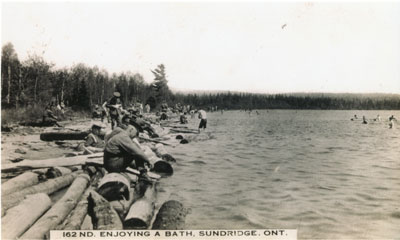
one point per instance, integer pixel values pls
(293, 101)
(35, 82)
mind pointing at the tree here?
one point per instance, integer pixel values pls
(10, 69)
(37, 77)
(160, 84)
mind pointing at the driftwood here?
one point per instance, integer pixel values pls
(60, 210)
(20, 182)
(104, 217)
(56, 162)
(47, 187)
(141, 212)
(17, 221)
(171, 216)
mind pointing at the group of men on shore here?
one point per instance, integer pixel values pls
(121, 147)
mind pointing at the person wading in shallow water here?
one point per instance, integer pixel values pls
(391, 121)
(203, 121)
(122, 152)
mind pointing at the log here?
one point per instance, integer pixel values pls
(129, 170)
(60, 210)
(155, 141)
(56, 162)
(87, 223)
(159, 165)
(104, 217)
(61, 136)
(184, 131)
(162, 153)
(141, 212)
(77, 217)
(114, 186)
(20, 182)
(47, 187)
(17, 221)
(171, 216)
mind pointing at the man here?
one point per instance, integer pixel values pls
(183, 119)
(391, 121)
(93, 139)
(121, 152)
(203, 121)
(147, 108)
(49, 119)
(114, 105)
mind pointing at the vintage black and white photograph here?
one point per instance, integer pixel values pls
(200, 120)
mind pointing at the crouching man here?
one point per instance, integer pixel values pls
(122, 152)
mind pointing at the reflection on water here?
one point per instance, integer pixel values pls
(315, 171)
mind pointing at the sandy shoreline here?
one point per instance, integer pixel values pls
(24, 142)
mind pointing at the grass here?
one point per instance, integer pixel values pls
(35, 114)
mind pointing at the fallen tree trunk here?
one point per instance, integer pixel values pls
(60, 136)
(141, 212)
(47, 187)
(20, 182)
(162, 153)
(17, 221)
(159, 165)
(184, 131)
(56, 162)
(87, 223)
(104, 217)
(171, 216)
(155, 141)
(77, 217)
(60, 210)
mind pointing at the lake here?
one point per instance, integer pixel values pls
(311, 170)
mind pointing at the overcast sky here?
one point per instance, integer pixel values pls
(256, 47)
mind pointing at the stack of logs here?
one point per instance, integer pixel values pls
(94, 200)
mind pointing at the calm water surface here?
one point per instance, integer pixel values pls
(315, 171)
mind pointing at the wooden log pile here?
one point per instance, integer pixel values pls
(28, 213)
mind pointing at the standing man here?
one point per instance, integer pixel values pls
(147, 108)
(203, 121)
(114, 106)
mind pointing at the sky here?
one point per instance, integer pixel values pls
(261, 47)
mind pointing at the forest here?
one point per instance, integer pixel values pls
(28, 86)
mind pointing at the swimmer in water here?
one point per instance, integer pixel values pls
(364, 120)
